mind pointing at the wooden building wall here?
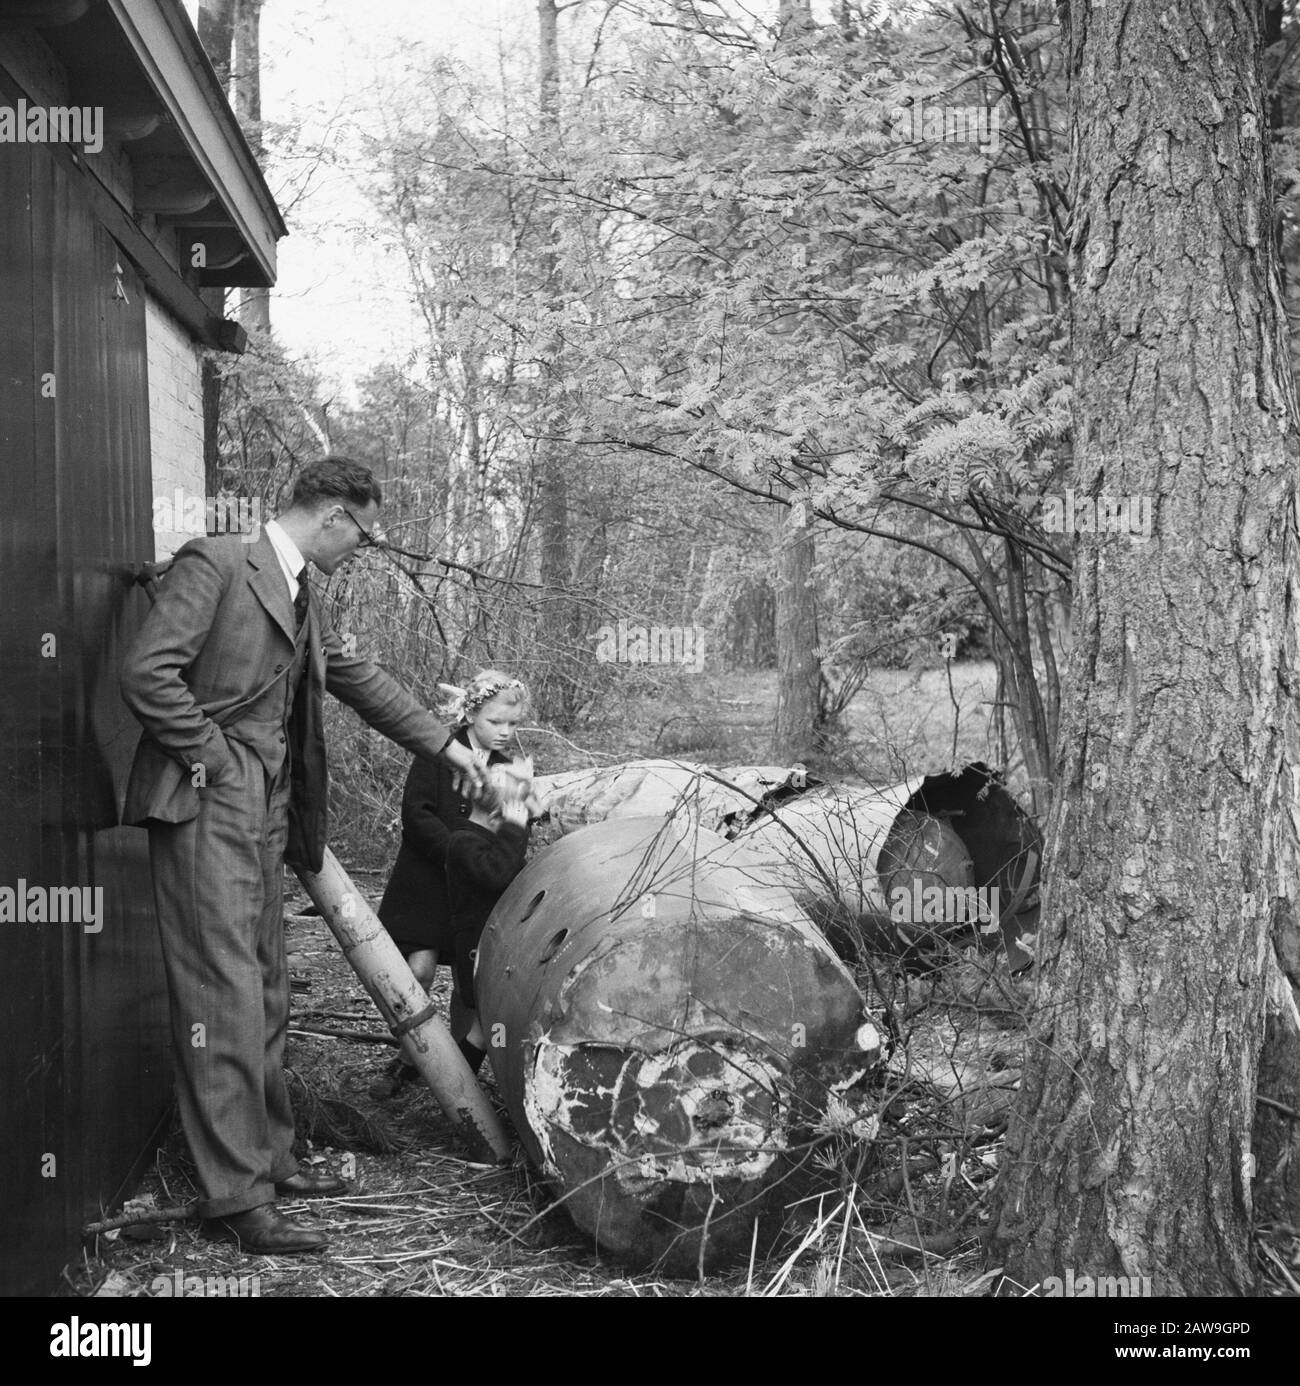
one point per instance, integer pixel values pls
(82, 1016)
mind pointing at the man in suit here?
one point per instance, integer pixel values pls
(227, 677)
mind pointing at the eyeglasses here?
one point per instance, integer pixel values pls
(370, 539)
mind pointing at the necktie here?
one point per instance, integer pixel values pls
(300, 601)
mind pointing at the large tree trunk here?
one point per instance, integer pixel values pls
(254, 304)
(216, 29)
(216, 26)
(1171, 858)
(798, 668)
(557, 685)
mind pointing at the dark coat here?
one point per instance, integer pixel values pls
(223, 626)
(480, 864)
(414, 908)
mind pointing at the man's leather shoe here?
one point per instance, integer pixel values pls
(472, 1055)
(304, 1184)
(265, 1232)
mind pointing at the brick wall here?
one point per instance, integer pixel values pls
(175, 422)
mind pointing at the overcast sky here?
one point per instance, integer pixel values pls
(341, 299)
(341, 294)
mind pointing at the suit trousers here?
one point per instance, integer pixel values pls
(219, 889)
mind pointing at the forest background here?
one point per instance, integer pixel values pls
(720, 337)
(852, 348)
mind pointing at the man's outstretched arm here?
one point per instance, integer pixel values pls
(389, 708)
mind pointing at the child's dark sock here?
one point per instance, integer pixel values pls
(473, 1055)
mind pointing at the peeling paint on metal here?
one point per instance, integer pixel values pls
(693, 1113)
(665, 1062)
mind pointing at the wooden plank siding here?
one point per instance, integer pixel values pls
(82, 1016)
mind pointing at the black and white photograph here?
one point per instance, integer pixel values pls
(650, 649)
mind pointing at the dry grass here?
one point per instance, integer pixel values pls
(895, 1215)
(900, 1214)
(901, 722)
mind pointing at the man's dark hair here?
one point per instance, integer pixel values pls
(336, 478)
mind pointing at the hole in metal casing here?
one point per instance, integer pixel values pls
(531, 908)
(554, 945)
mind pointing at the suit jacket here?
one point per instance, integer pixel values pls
(223, 626)
(414, 908)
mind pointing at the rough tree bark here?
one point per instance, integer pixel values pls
(254, 304)
(1171, 858)
(556, 687)
(798, 728)
(216, 29)
(216, 26)
(798, 667)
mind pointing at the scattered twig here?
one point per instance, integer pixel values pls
(178, 1214)
(911, 1207)
(1281, 1265)
(938, 1245)
(360, 1036)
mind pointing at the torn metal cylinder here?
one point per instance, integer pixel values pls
(718, 800)
(938, 857)
(666, 1027)
(406, 1008)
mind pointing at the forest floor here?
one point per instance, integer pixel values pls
(898, 1214)
(421, 1219)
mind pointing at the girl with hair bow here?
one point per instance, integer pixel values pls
(416, 908)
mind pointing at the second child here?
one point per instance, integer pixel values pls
(483, 857)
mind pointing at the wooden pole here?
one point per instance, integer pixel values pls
(406, 1008)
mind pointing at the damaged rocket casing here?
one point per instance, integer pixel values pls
(658, 788)
(665, 1024)
(894, 869)
(936, 857)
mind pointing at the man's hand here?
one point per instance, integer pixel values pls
(514, 812)
(469, 770)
